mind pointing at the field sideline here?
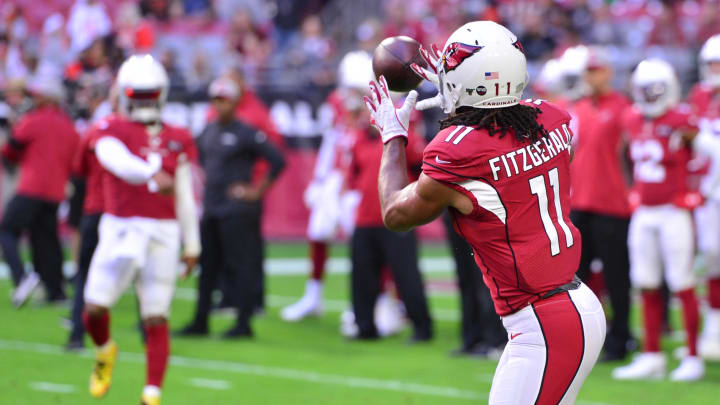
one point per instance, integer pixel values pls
(307, 363)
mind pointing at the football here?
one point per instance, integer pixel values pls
(392, 59)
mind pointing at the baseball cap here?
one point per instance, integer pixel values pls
(224, 87)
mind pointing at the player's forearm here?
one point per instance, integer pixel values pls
(392, 179)
(186, 211)
(115, 157)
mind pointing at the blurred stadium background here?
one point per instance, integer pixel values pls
(287, 52)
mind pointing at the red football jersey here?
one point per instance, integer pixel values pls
(705, 102)
(660, 156)
(365, 167)
(85, 164)
(43, 143)
(598, 182)
(519, 229)
(135, 200)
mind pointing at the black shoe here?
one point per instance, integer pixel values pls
(193, 329)
(74, 345)
(238, 332)
(420, 337)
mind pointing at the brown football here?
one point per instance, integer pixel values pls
(392, 59)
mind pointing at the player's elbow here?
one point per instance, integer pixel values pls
(394, 221)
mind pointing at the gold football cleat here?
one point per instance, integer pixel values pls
(150, 400)
(101, 376)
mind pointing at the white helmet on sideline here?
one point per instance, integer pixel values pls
(710, 52)
(482, 66)
(355, 70)
(573, 63)
(142, 88)
(655, 87)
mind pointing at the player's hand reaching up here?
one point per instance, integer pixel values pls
(433, 59)
(390, 121)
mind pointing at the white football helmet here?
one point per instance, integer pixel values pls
(142, 88)
(549, 79)
(482, 66)
(573, 64)
(710, 52)
(354, 74)
(655, 87)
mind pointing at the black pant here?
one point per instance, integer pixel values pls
(234, 246)
(480, 323)
(88, 229)
(372, 248)
(605, 237)
(39, 217)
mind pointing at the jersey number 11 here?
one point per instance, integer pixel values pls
(538, 188)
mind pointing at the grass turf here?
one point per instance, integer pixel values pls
(301, 363)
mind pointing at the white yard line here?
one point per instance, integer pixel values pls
(52, 387)
(258, 370)
(210, 384)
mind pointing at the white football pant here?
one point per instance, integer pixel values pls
(553, 345)
(707, 220)
(143, 250)
(330, 208)
(661, 237)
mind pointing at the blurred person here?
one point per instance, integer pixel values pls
(148, 213)
(86, 167)
(250, 110)
(705, 101)
(600, 207)
(54, 46)
(399, 19)
(512, 210)
(88, 20)
(311, 53)
(175, 75)
(373, 246)
(536, 39)
(661, 236)
(42, 144)
(332, 205)
(230, 227)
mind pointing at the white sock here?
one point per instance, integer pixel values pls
(152, 391)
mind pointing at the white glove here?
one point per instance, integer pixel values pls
(430, 74)
(391, 122)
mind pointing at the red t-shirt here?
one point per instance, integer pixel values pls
(365, 167)
(135, 200)
(85, 164)
(43, 144)
(660, 156)
(598, 182)
(519, 228)
(705, 102)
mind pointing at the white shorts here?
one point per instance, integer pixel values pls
(661, 237)
(330, 208)
(707, 225)
(143, 250)
(553, 345)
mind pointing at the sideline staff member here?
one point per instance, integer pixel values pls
(230, 228)
(42, 144)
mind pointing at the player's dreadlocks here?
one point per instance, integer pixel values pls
(519, 119)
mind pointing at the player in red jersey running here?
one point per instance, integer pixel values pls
(148, 207)
(661, 235)
(501, 165)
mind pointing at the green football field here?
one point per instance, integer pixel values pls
(305, 363)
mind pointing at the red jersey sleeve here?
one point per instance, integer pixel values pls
(444, 160)
(22, 133)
